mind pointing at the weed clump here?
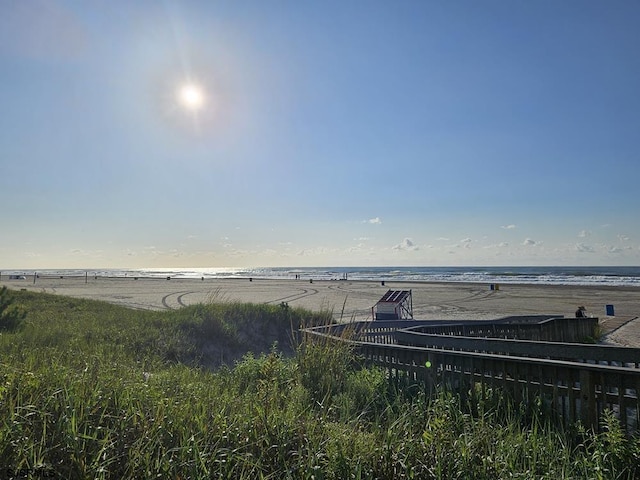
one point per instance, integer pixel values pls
(11, 315)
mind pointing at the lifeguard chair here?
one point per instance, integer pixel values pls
(394, 305)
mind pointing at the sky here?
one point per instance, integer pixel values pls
(334, 133)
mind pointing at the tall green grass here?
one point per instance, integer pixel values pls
(11, 315)
(93, 390)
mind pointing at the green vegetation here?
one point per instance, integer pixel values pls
(93, 390)
(11, 315)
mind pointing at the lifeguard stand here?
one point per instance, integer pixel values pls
(394, 305)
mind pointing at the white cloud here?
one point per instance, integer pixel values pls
(497, 245)
(581, 247)
(623, 238)
(508, 227)
(406, 245)
(315, 251)
(584, 234)
(466, 242)
(374, 221)
(79, 252)
(531, 243)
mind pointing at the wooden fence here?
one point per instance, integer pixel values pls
(575, 381)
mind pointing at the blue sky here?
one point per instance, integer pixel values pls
(330, 133)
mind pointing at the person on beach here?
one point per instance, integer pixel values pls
(581, 312)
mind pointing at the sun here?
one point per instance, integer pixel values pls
(191, 96)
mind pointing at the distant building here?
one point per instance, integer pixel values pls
(394, 305)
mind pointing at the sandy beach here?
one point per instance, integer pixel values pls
(353, 300)
(347, 299)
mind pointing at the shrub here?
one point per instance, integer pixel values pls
(11, 316)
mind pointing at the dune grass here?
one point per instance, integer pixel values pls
(93, 390)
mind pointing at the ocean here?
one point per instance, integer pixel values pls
(602, 276)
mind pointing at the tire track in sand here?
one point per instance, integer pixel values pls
(179, 301)
(306, 292)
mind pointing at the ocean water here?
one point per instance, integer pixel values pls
(611, 276)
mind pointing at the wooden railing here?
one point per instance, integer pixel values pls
(558, 329)
(577, 352)
(577, 382)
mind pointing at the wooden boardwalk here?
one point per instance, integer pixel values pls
(534, 357)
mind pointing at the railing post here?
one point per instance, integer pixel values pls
(588, 400)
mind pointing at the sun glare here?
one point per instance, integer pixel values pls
(191, 97)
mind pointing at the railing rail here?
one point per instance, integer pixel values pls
(579, 352)
(551, 329)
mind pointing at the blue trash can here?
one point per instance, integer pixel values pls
(609, 310)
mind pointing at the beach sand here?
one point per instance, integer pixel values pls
(353, 300)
